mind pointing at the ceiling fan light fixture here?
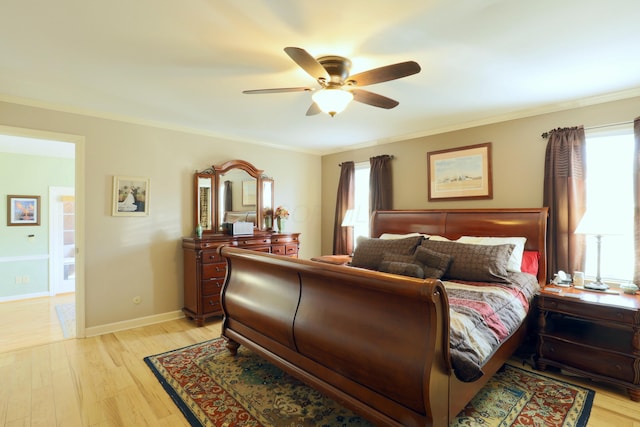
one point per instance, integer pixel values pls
(332, 101)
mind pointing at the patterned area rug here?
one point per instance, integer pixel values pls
(67, 318)
(212, 388)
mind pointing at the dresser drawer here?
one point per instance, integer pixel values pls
(589, 359)
(253, 241)
(211, 256)
(291, 250)
(212, 286)
(278, 249)
(284, 239)
(576, 308)
(210, 271)
(211, 304)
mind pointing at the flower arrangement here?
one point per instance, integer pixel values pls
(281, 212)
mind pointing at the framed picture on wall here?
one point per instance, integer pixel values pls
(249, 193)
(130, 196)
(23, 210)
(460, 173)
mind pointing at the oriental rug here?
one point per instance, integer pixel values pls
(213, 388)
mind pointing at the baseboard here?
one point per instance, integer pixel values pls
(133, 323)
(24, 296)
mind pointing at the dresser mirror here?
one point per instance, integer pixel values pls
(231, 192)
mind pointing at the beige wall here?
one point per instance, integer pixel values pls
(518, 160)
(141, 256)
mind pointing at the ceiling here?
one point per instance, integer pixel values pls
(184, 65)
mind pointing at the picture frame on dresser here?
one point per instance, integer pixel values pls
(463, 173)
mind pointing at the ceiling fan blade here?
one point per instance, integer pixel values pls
(313, 109)
(278, 90)
(384, 74)
(374, 99)
(307, 63)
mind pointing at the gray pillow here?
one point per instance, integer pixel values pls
(369, 251)
(403, 268)
(434, 264)
(476, 263)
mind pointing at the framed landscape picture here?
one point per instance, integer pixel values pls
(130, 196)
(460, 173)
(23, 210)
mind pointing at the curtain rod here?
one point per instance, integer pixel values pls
(391, 157)
(545, 135)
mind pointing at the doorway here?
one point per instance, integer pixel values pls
(66, 241)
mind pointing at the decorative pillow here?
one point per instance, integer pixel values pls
(515, 261)
(435, 264)
(369, 251)
(530, 262)
(403, 268)
(477, 263)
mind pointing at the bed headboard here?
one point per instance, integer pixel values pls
(453, 223)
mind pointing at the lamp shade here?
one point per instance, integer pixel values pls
(332, 100)
(600, 222)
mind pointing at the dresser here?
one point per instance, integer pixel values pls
(593, 334)
(205, 270)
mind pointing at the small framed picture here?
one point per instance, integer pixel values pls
(23, 210)
(460, 173)
(249, 193)
(130, 196)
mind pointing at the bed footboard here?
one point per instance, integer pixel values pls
(377, 343)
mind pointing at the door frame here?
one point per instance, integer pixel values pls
(79, 143)
(56, 236)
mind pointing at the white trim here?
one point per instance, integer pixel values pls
(24, 258)
(24, 296)
(132, 323)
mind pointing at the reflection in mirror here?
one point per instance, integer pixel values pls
(266, 196)
(204, 200)
(237, 197)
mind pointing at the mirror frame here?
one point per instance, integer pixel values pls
(254, 172)
(205, 175)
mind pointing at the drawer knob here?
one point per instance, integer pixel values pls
(218, 269)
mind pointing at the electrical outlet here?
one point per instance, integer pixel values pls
(25, 279)
(137, 300)
(18, 280)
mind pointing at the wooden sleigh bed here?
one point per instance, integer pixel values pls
(376, 342)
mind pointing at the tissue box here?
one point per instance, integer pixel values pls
(242, 228)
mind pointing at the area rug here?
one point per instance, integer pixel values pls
(213, 388)
(67, 318)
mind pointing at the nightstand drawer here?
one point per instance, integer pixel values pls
(211, 304)
(589, 359)
(211, 256)
(212, 286)
(595, 311)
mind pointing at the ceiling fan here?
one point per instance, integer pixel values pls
(337, 87)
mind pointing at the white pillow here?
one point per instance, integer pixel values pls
(440, 239)
(515, 261)
(392, 236)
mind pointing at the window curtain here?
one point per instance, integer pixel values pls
(380, 184)
(228, 196)
(343, 236)
(636, 200)
(565, 196)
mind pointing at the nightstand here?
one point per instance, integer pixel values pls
(592, 334)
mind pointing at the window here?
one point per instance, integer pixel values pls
(361, 200)
(610, 186)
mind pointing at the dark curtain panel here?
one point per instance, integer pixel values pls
(565, 195)
(636, 196)
(343, 236)
(380, 184)
(228, 196)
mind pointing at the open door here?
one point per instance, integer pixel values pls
(62, 241)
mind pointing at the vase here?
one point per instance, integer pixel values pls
(199, 230)
(268, 222)
(280, 222)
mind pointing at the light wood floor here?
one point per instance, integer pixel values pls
(30, 322)
(103, 381)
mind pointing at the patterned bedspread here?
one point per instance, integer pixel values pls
(482, 316)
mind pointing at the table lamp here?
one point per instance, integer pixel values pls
(598, 223)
